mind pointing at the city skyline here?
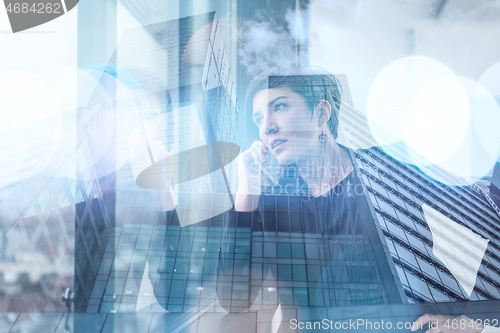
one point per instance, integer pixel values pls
(118, 203)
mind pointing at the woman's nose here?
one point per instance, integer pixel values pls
(270, 127)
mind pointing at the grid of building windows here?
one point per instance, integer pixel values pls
(397, 192)
(185, 267)
(182, 63)
(232, 262)
(220, 266)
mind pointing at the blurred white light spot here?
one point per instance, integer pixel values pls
(30, 125)
(437, 119)
(486, 120)
(393, 91)
(9, 277)
(465, 143)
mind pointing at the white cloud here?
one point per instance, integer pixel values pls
(267, 44)
(360, 38)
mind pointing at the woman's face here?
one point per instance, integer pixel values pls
(286, 126)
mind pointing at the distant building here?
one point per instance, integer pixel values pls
(182, 67)
(54, 229)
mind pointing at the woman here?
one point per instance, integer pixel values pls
(313, 202)
(298, 125)
(297, 115)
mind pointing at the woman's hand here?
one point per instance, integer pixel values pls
(447, 324)
(251, 178)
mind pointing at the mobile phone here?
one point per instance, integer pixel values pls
(272, 168)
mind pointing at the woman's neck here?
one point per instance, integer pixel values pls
(328, 168)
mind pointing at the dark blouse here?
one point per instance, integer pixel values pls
(332, 213)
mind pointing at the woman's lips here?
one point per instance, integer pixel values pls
(277, 143)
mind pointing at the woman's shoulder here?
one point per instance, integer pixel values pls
(397, 151)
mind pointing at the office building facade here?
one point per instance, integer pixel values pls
(55, 226)
(274, 256)
(397, 192)
(151, 264)
(133, 254)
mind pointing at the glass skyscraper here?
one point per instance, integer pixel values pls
(278, 255)
(397, 192)
(55, 229)
(152, 263)
(127, 238)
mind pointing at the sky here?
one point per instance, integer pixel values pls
(360, 38)
(364, 38)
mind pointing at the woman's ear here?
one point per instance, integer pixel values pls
(324, 112)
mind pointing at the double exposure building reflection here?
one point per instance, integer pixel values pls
(168, 236)
(124, 248)
(397, 193)
(281, 254)
(54, 228)
(401, 241)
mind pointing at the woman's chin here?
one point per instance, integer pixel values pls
(286, 160)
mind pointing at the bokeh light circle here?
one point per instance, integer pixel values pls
(477, 147)
(487, 121)
(108, 103)
(392, 93)
(74, 87)
(30, 125)
(437, 120)
(72, 122)
(448, 124)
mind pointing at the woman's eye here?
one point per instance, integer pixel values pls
(279, 106)
(258, 121)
